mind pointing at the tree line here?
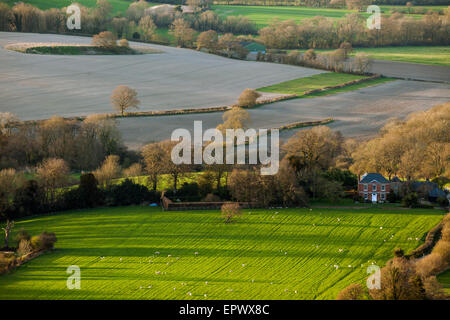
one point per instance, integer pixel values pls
(326, 33)
(141, 22)
(316, 164)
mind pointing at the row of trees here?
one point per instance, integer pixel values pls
(322, 32)
(314, 164)
(417, 148)
(83, 145)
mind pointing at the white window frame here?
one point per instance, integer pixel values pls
(383, 187)
(366, 187)
(374, 187)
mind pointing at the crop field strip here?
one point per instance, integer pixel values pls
(267, 254)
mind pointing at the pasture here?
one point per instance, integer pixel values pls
(318, 81)
(119, 6)
(432, 55)
(263, 16)
(143, 253)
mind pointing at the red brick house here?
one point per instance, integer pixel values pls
(373, 187)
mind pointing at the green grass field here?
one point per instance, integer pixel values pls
(263, 16)
(266, 254)
(433, 55)
(319, 81)
(436, 55)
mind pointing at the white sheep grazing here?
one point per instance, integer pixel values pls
(341, 250)
(157, 252)
(196, 253)
(150, 286)
(381, 228)
(206, 282)
(205, 295)
(120, 259)
(243, 264)
(338, 219)
(189, 294)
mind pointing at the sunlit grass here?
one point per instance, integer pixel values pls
(266, 254)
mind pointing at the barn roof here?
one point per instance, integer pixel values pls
(369, 177)
(436, 193)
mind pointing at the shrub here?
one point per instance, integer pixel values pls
(352, 292)
(24, 247)
(36, 243)
(231, 210)
(443, 202)
(128, 193)
(105, 39)
(210, 197)
(398, 252)
(248, 98)
(392, 197)
(48, 240)
(22, 235)
(411, 200)
(124, 43)
(310, 55)
(44, 241)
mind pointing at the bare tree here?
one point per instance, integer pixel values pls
(154, 156)
(52, 173)
(109, 170)
(208, 40)
(7, 229)
(147, 27)
(124, 98)
(248, 98)
(230, 211)
(182, 32)
(8, 121)
(236, 118)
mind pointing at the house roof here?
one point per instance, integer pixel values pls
(436, 193)
(369, 177)
(253, 46)
(417, 184)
